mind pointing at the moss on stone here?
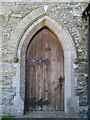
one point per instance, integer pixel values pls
(2, 19)
(10, 14)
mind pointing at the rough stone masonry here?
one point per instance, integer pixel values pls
(70, 14)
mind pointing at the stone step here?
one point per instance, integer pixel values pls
(50, 119)
(36, 115)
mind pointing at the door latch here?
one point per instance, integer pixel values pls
(60, 79)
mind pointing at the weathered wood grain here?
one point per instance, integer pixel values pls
(42, 79)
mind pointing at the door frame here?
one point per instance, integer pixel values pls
(70, 100)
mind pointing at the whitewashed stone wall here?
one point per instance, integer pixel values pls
(69, 15)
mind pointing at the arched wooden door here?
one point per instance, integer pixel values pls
(44, 73)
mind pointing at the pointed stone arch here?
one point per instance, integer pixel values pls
(70, 54)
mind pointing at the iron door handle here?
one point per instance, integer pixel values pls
(60, 79)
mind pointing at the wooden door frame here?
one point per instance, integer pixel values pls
(70, 100)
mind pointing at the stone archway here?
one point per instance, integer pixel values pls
(70, 101)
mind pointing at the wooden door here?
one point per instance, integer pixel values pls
(44, 73)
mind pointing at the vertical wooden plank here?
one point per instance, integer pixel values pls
(47, 70)
(42, 65)
(39, 70)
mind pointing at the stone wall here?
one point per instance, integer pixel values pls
(70, 14)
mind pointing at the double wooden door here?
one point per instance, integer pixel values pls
(44, 73)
